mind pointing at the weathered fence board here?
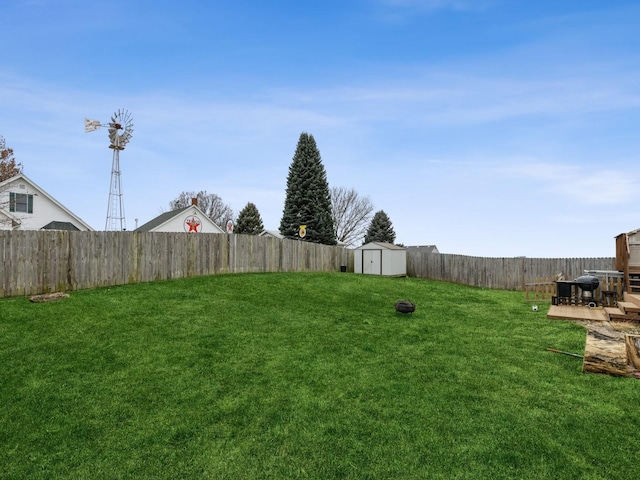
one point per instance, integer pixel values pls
(35, 262)
(503, 273)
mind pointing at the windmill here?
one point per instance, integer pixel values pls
(120, 131)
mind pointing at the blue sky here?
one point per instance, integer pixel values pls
(488, 127)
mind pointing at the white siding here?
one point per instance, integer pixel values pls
(177, 223)
(45, 210)
(380, 259)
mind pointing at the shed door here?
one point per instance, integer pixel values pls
(372, 262)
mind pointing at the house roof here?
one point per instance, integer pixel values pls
(23, 177)
(68, 226)
(272, 233)
(427, 248)
(168, 216)
(159, 220)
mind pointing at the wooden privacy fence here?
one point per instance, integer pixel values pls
(36, 262)
(502, 273)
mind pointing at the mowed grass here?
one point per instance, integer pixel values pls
(284, 376)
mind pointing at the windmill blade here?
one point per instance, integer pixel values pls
(91, 125)
(120, 128)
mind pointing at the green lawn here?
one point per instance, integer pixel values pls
(284, 376)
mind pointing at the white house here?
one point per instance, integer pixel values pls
(188, 219)
(272, 233)
(423, 248)
(380, 258)
(26, 206)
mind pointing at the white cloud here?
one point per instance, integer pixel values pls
(454, 151)
(589, 185)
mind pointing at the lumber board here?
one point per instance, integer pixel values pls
(632, 344)
(629, 307)
(617, 314)
(576, 312)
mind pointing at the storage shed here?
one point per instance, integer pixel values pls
(380, 258)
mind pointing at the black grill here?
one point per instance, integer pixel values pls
(587, 283)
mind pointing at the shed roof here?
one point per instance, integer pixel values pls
(381, 245)
(632, 232)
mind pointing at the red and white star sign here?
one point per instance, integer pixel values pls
(192, 224)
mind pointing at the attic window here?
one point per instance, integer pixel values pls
(20, 202)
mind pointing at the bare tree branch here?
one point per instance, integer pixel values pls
(210, 203)
(351, 214)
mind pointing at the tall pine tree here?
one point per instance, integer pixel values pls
(308, 200)
(380, 229)
(249, 221)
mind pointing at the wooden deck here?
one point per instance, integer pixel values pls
(627, 309)
(579, 313)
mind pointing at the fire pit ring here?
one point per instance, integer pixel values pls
(405, 306)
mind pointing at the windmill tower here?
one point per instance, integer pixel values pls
(120, 131)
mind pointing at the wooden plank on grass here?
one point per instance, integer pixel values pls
(632, 343)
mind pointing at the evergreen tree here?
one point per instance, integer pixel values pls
(308, 200)
(249, 221)
(380, 229)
